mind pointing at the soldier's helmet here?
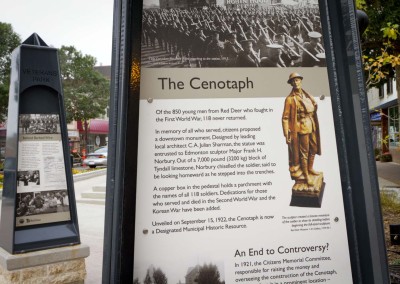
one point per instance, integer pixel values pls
(293, 76)
(314, 35)
(247, 42)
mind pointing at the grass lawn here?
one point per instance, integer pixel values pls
(390, 204)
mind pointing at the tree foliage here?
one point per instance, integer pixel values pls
(381, 47)
(9, 40)
(380, 12)
(86, 91)
(381, 40)
(208, 274)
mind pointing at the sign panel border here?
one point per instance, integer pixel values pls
(351, 116)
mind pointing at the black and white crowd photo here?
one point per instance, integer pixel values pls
(235, 33)
(36, 203)
(39, 124)
(28, 178)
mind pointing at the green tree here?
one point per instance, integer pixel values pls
(9, 40)
(208, 274)
(381, 41)
(381, 47)
(86, 91)
(159, 277)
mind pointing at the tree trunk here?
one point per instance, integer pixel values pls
(385, 131)
(85, 139)
(397, 73)
(397, 121)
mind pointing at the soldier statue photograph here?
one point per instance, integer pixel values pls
(302, 135)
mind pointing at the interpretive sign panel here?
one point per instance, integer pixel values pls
(239, 174)
(42, 194)
(239, 134)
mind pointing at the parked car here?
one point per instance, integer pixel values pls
(97, 158)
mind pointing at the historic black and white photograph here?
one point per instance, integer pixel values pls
(45, 202)
(28, 178)
(39, 124)
(234, 33)
(207, 273)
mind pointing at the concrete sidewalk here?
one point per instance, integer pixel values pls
(86, 185)
(388, 174)
(91, 226)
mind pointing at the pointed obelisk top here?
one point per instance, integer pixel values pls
(35, 39)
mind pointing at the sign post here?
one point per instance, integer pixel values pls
(247, 146)
(38, 205)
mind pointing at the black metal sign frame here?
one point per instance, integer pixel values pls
(351, 117)
(36, 94)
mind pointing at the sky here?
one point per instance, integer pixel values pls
(85, 24)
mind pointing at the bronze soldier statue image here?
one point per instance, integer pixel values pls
(301, 130)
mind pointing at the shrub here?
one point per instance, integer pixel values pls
(81, 171)
(390, 202)
(386, 157)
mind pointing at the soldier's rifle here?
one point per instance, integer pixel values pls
(285, 44)
(226, 26)
(184, 21)
(162, 17)
(321, 47)
(264, 33)
(299, 45)
(218, 18)
(230, 31)
(308, 31)
(303, 24)
(244, 21)
(207, 23)
(285, 21)
(202, 21)
(241, 31)
(256, 55)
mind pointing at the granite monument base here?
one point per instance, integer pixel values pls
(58, 265)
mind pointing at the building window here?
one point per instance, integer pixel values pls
(394, 127)
(389, 86)
(381, 91)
